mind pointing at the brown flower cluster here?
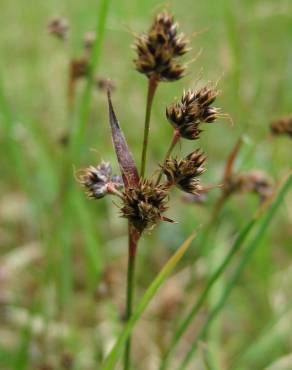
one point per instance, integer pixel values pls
(282, 126)
(144, 205)
(184, 173)
(194, 108)
(250, 182)
(59, 27)
(98, 181)
(159, 48)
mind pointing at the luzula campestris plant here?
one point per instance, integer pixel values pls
(143, 202)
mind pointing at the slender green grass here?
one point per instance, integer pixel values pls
(264, 342)
(12, 148)
(115, 353)
(21, 357)
(75, 147)
(185, 323)
(78, 132)
(248, 253)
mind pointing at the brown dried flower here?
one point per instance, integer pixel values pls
(251, 182)
(98, 181)
(143, 205)
(59, 27)
(158, 50)
(78, 69)
(184, 173)
(282, 126)
(89, 40)
(104, 84)
(193, 108)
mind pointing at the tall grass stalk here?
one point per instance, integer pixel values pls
(152, 85)
(185, 323)
(67, 192)
(248, 253)
(78, 132)
(115, 353)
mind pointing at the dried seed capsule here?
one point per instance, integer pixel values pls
(59, 27)
(98, 181)
(144, 205)
(282, 126)
(158, 50)
(251, 182)
(184, 173)
(193, 109)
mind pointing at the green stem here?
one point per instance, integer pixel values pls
(152, 85)
(198, 304)
(174, 141)
(248, 253)
(133, 241)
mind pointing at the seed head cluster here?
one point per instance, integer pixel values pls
(144, 205)
(282, 126)
(194, 108)
(184, 173)
(143, 201)
(59, 27)
(250, 182)
(98, 181)
(159, 48)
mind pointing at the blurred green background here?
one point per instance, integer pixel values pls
(62, 272)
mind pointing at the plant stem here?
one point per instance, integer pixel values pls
(174, 141)
(133, 241)
(152, 85)
(247, 255)
(185, 323)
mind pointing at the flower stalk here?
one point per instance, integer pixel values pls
(152, 86)
(174, 141)
(134, 237)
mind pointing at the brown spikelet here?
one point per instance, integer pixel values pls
(282, 126)
(250, 182)
(78, 69)
(144, 204)
(193, 109)
(98, 181)
(59, 27)
(184, 173)
(159, 48)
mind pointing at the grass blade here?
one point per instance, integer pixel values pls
(80, 126)
(249, 251)
(115, 353)
(185, 323)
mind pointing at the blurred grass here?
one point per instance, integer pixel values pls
(248, 45)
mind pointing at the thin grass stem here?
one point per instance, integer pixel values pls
(152, 85)
(174, 141)
(248, 253)
(198, 304)
(133, 241)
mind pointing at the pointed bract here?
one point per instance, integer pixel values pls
(125, 159)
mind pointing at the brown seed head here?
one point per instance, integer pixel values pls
(98, 181)
(59, 28)
(282, 126)
(193, 109)
(104, 84)
(184, 173)
(143, 205)
(158, 50)
(89, 40)
(78, 68)
(251, 182)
